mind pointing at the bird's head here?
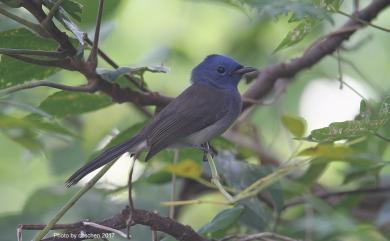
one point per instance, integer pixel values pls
(219, 71)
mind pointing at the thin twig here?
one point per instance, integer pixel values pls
(173, 185)
(382, 137)
(340, 77)
(194, 202)
(258, 236)
(72, 201)
(362, 21)
(111, 62)
(33, 52)
(47, 83)
(60, 63)
(358, 71)
(130, 197)
(92, 59)
(53, 11)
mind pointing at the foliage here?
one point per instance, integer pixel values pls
(55, 132)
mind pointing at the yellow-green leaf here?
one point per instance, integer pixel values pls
(186, 168)
(328, 151)
(295, 124)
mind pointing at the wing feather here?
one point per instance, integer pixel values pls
(198, 107)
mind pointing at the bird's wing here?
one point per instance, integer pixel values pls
(198, 107)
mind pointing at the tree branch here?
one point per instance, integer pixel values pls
(33, 52)
(139, 216)
(60, 63)
(52, 11)
(113, 64)
(72, 201)
(266, 79)
(92, 59)
(47, 83)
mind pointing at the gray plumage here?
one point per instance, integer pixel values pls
(200, 113)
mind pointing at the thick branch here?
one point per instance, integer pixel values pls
(325, 46)
(143, 217)
(266, 78)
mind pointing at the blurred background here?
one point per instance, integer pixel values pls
(178, 34)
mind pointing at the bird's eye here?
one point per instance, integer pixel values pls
(221, 69)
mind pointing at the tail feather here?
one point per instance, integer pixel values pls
(104, 158)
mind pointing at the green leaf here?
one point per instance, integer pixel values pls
(73, 8)
(10, 71)
(313, 173)
(115, 75)
(347, 130)
(329, 151)
(13, 3)
(355, 128)
(65, 103)
(297, 34)
(239, 175)
(110, 75)
(330, 5)
(384, 110)
(186, 168)
(222, 222)
(90, 8)
(298, 9)
(62, 16)
(296, 125)
(21, 132)
(371, 171)
(24, 130)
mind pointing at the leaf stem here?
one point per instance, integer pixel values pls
(33, 52)
(173, 185)
(72, 201)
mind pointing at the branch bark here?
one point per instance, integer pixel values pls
(266, 79)
(139, 216)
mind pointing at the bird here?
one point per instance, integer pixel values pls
(203, 111)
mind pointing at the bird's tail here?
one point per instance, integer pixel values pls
(132, 145)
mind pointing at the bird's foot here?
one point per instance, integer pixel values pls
(208, 149)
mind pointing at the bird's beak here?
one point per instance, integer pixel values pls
(244, 70)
